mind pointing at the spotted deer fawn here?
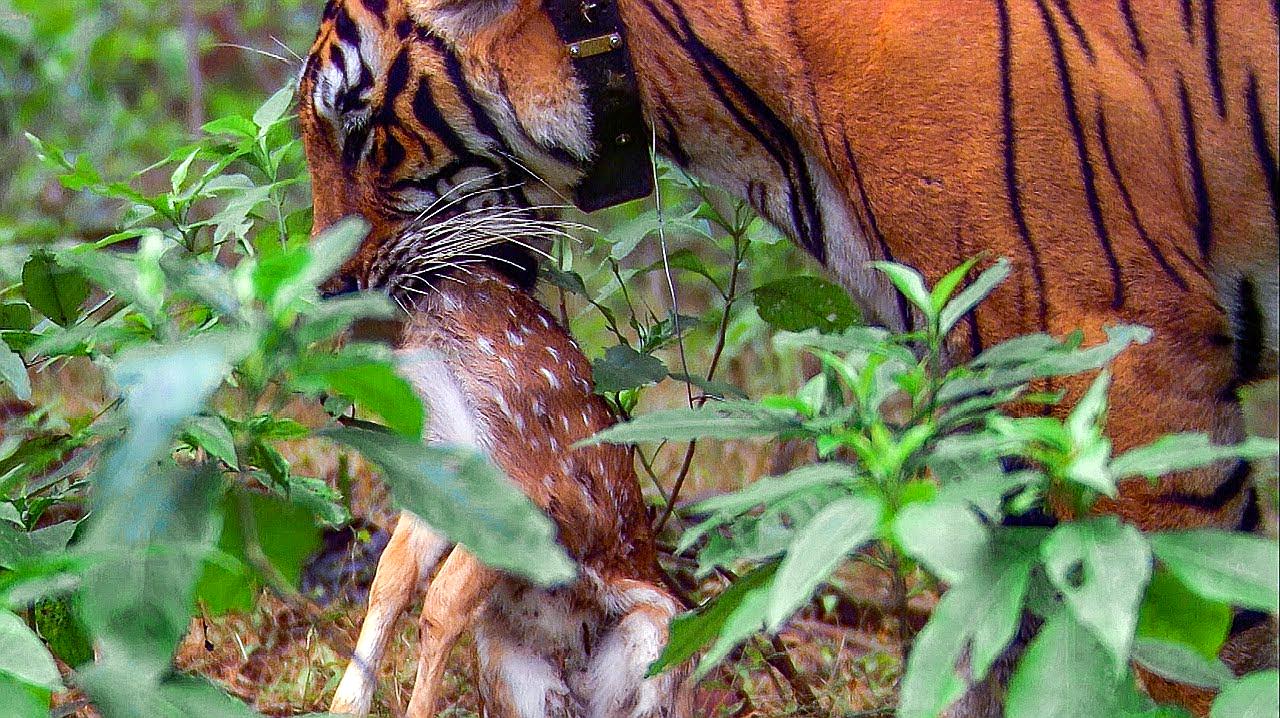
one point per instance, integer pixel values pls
(498, 373)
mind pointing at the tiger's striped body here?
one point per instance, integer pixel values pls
(1122, 153)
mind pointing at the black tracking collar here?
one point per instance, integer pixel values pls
(593, 36)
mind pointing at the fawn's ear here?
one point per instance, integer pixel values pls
(458, 18)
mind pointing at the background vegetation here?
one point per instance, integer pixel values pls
(156, 282)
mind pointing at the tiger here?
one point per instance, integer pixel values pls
(1121, 154)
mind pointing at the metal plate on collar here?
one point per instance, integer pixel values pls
(593, 46)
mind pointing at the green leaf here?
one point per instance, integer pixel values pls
(717, 389)
(13, 373)
(685, 259)
(180, 173)
(969, 298)
(281, 279)
(568, 281)
(1236, 568)
(57, 621)
(283, 531)
(1255, 695)
(1023, 359)
(372, 384)
(15, 316)
(234, 125)
(273, 109)
(1179, 662)
(1180, 452)
(818, 549)
(162, 387)
(211, 434)
(981, 614)
(138, 593)
(1173, 613)
(118, 693)
(23, 656)
(945, 286)
(1101, 567)
(624, 368)
(797, 304)
(18, 700)
(55, 291)
(711, 422)
(1065, 673)
(459, 493)
(773, 489)
(946, 536)
(724, 621)
(910, 284)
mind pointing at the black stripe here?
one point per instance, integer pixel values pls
(806, 219)
(1011, 159)
(397, 80)
(1064, 6)
(1246, 326)
(904, 310)
(1107, 154)
(1226, 492)
(1262, 147)
(392, 152)
(428, 115)
(1131, 24)
(1187, 22)
(453, 68)
(1082, 153)
(1212, 60)
(1252, 516)
(1199, 188)
(671, 144)
(975, 335)
(346, 28)
(1246, 619)
(377, 8)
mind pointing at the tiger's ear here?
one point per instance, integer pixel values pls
(458, 18)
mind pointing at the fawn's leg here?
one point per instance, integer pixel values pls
(615, 684)
(459, 588)
(411, 554)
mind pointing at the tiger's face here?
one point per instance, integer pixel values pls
(409, 121)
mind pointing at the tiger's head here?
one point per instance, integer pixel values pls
(449, 126)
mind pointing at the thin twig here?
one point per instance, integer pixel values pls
(195, 77)
(722, 335)
(780, 659)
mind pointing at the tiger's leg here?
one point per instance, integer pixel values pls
(458, 589)
(411, 554)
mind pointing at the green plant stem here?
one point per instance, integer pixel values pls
(721, 340)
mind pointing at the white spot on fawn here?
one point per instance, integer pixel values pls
(546, 323)
(515, 339)
(555, 355)
(586, 420)
(506, 364)
(501, 401)
(485, 345)
(564, 419)
(551, 377)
